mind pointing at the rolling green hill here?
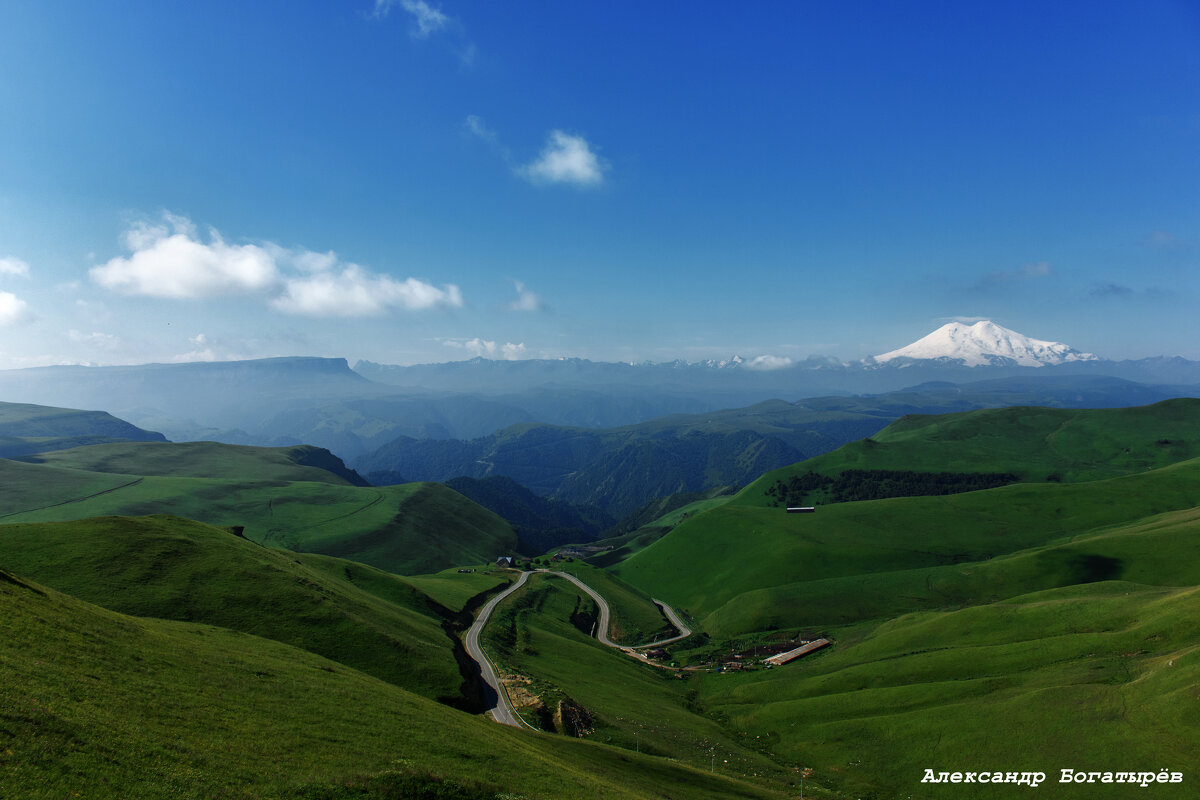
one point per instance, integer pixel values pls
(1038, 626)
(94, 703)
(541, 523)
(28, 429)
(579, 687)
(206, 460)
(285, 497)
(173, 568)
(748, 549)
(1098, 677)
(1035, 444)
(733, 553)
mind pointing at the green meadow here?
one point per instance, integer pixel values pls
(743, 549)
(623, 702)
(1099, 677)
(1044, 625)
(635, 619)
(99, 704)
(1037, 444)
(283, 497)
(173, 568)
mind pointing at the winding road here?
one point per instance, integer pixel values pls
(501, 708)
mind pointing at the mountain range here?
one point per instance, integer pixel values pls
(354, 412)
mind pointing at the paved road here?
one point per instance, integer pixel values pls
(494, 693)
(684, 630)
(501, 709)
(606, 617)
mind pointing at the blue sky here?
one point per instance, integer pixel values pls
(408, 181)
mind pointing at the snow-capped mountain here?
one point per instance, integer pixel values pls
(986, 343)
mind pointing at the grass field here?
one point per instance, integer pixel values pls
(1044, 626)
(172, 568)
(1037, 444)
(715, 558)
(1099, 677)
(203, 460)
(411, 528)
(625, 703)
(635, 617)
(98, 704)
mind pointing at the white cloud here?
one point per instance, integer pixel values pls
(475, 125)
(355, 292)
(170, 260)
(526, 300)
(104, 341)
(429, 20)
(488, 348)
(14, 266)
(565, 159)
(769, 362)
(13, 309)
(203, 352)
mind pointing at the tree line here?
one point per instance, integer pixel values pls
(877, 484)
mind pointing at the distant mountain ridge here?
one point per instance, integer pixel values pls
(322, 401)
(620, 469)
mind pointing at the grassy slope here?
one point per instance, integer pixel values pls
(173, 568)
(747, 547)
(26, 428)
(713, 558)
(98, 704)
(453, 590)
(635, 618)
(632, 705)
(1157, 555)
(412, 528)
(654, 528)
(1075, 445)
(1065, 635)
(196, 460)
(1097, 677)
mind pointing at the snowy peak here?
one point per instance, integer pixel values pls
(986, 343)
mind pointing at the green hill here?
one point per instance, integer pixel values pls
(28, 429)
(1094, 678)
(1033, 444)
(744, 552)
(542, 524)
(94, 703)
(286, 497)
(206, 460)
(579, 687)
(1040, 626)
(732, 554)
(173, 568)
